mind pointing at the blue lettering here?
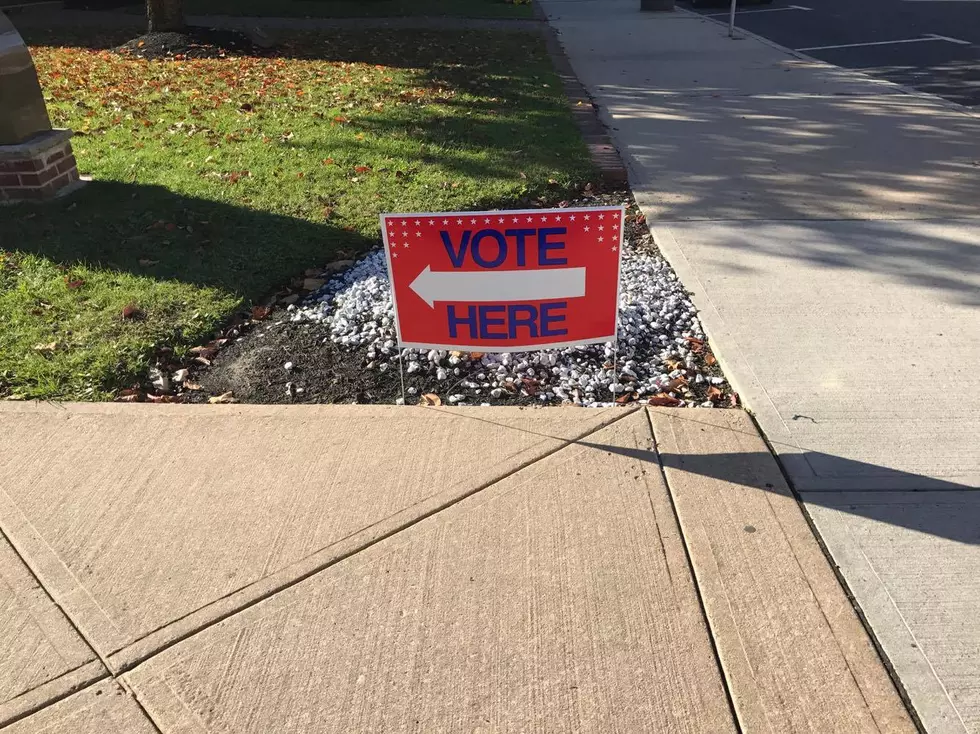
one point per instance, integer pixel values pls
(547, 318)
(455, 321)
(486, 321)
(501, 249)
(530, 320)
(544, 246)
(520, 234)
(456, 255)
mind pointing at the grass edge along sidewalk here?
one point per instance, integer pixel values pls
(207, 197)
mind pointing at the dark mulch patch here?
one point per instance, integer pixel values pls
(192, 43)
(253, 369)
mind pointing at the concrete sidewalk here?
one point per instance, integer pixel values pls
(350, 568)
(828, 225)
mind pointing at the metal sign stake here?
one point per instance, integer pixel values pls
(731, 20)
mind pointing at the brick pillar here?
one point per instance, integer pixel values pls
(43, 167)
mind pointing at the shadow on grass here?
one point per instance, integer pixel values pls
(154, 232)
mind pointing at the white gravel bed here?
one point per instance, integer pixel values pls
(659, 333)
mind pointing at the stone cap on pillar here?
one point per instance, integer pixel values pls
(23, 114)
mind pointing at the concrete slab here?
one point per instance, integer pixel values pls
(911, 559)
(718, 129)
(794, 652)
(104, 708)
(855, 343)
(146, 524)
(558, 599)
(43, 658)
(782, 156)
(681, 54)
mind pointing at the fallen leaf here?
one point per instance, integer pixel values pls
(697, 345)
(206, 352)
(714, 394)
(431, 399)
(191, 385)
(530, 385)
(476, 355)
(733, 399)
(50, 347)
(664, 401)
(228, 397)
(626, 397)
(675, 384)
(74, 284)
(128, 398)
(260, 313)
(710, 359)
(328, 161)
(362, 169)
(160, 398)
(131, 312)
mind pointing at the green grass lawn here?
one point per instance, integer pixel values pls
(361, 8)
(218, 181)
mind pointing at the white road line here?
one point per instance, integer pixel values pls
(947, 38)
(765, 10)
(923, 39)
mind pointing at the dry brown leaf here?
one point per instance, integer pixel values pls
(714, 394)
(710, 359)
(50, 347)
(132, 311)
(260, 313)
(675, 384)
(188, 385)
(228, 397)
(664, 401)
(530, 385)
(431, 399)
(476, 355)
(627, 397)
(160, 398)
(733, 399)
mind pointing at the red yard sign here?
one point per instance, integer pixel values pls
(505, 281)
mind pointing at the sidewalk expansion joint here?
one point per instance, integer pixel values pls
(126, 666)
(694, 581)
(886, 662)
(106, 670)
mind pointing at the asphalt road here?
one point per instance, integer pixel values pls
(932, 45)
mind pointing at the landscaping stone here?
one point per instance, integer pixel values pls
(344, 335)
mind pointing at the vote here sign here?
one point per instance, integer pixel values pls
(505, 281)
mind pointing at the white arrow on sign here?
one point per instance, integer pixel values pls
(501, 285)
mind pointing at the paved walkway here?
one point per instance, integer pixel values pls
(830, 229)
(349, 568)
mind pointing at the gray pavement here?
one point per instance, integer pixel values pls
(932, 45)
(828, 225)
(353, 568)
